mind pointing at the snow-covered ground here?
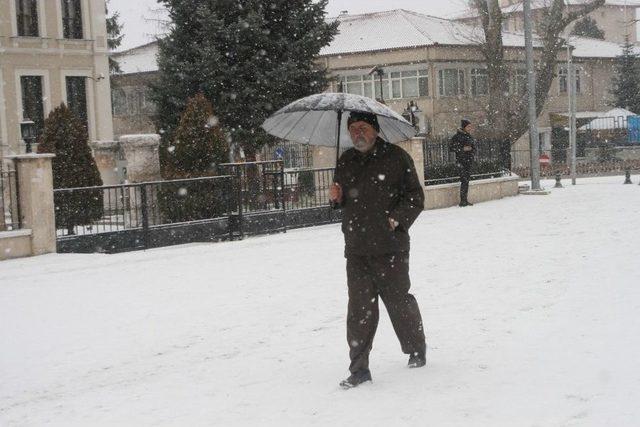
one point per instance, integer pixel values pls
(531, 305)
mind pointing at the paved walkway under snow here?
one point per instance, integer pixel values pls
(531, 305)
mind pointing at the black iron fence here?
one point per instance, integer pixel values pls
(604, 145)
(492, 159)
(292, 154)
(9, 207)
(249, 198)
(615, 130)
(307, 188)
(105, 209)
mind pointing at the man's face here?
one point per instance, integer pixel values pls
(469, 128)
(363, 136)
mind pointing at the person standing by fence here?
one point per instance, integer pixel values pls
(464, 146)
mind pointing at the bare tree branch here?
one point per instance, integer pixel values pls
(507, 115)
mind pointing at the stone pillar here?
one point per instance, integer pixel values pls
(142, 156)
(142, 153)
(414, 147)
(106, 153)
(323, 157)
(35, 199)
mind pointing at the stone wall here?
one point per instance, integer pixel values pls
(133, 158)
(447, 195)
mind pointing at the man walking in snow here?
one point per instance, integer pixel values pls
(463, 144)
(377, 187)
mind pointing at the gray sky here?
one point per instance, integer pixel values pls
(139, 17)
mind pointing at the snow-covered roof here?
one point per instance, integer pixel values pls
(397, 29)
(394, 29)
(585, 47)
(541, 4)
(141, 59)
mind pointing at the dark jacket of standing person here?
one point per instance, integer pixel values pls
(378, 185)
(458, 142)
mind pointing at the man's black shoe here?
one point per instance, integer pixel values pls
(417, 360)
(356, 379)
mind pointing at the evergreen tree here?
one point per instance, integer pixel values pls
(588, 27)
(199, 143)
(248, 57)
(198, 147)
(114, 37)
(74, 166)
(626, 80)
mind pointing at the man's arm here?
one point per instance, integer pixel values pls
(411, 196)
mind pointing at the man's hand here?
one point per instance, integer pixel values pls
(393, 224)
(335, 193)
(467, 148)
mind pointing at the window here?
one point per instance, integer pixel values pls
(353, 84)
(27, 17)
(396, 85)
(423, 82)
(77, 97)
(385, 86)
(563, 80)
(72, 19)
(363, 85)
(32, 104)
(415, 83)
(451, 82)
(479, 82)
(520, 82)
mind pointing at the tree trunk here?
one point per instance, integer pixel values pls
(507, 116)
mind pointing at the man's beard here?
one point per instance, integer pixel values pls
(362, 145)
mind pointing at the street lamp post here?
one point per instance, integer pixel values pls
(572, 92)
(531, 86)
(28, 133)
(379, 72)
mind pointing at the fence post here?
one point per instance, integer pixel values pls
(34, 178)
(236, 220)
(415, 148)
(284, 202)
(144, 206)
(627, 177)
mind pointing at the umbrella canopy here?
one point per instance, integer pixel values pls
(321, 119)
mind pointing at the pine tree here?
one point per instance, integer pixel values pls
(626, 80)
(114, 38)
(588, 27)
(199, 144)
(74, 166)
(198, 147)
(248, 57)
